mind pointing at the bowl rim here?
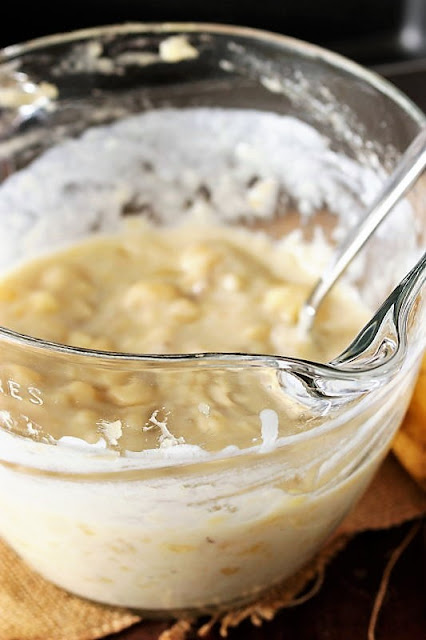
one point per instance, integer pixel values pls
(303, 47)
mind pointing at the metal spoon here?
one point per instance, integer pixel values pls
(409, 168)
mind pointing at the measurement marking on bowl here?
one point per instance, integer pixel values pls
(20, 392)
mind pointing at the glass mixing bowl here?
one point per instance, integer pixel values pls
(190, 529)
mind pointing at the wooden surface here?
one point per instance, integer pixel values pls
(342, 609)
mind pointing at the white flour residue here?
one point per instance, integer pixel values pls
(32, 431)
(81, 445)
(172, 162)
(269, 430)
(112, 431)
(6, 419)
(166, 439)
(202, 163)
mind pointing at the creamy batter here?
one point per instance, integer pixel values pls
(183, 538)
(188, 289)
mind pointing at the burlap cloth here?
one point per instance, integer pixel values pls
(33, 609)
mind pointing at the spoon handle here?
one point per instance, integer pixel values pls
(409, 168)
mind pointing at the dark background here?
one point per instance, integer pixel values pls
(370, 31)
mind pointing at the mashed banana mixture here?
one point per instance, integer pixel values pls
(187, 289)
